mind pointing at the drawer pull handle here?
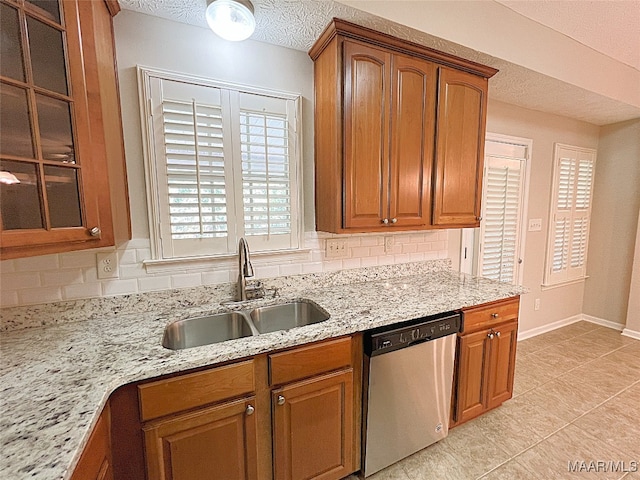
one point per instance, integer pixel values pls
(250, 410)
(494, 315)
(281, 400)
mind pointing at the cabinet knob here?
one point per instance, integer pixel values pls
(394, 220)
(490, 335)
(385, 221)
(494, 315)
(95, 232)
(281, 400)
(250, 409)
(478, 218)
(497, 334)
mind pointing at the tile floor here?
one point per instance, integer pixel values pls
(576, 398)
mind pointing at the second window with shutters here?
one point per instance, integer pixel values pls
(573, 174)
(223, 163)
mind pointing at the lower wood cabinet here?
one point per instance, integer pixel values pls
(313, 428)
(486, 354)
(95, 462)
(218, 442)
(289, 415)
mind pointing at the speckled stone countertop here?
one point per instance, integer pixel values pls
(55, 380)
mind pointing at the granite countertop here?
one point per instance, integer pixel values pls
(55, 380)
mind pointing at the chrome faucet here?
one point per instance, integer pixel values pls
(245, 270)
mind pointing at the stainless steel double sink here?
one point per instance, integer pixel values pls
(220, 327)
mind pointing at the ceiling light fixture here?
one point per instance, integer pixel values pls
(231, 19)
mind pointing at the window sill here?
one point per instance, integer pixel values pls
(551, 286)
(203, 263)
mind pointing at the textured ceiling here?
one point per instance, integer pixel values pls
(610, 27)
(297, 23)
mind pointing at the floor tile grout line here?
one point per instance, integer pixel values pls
(570, 422)
(572, 369)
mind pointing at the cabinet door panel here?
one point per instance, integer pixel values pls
(462, 99)
(502, 364)
(412, 130)
(313, 429)
(95, 462)
(366, 123)
(471, 375)
(216, 443)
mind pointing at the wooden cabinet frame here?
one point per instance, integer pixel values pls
(485, 360)
(376, 165)
(97, 136)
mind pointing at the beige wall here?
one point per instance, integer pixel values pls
(614, 218)
(544, 129)
(633, 310)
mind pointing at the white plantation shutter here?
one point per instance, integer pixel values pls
(268, 174)
(502, 211)
(224, 166)
(570, 214)
(195, 170)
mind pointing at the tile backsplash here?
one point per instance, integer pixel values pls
(70, 276)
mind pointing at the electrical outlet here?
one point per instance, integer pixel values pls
(388, 244)
(107, 264)
(535, 224)
(536, 304)
(335, 248)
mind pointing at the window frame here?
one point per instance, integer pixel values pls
(565, 276)
(157, 261)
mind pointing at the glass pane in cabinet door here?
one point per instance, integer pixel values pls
(63, 196)
(54, 119)
(47, 56)
(10, 47)
(51, 8)
(15, 128)
(20, 196)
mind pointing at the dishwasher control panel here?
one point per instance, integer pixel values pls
(417, 331)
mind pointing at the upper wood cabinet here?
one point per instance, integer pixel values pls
(457, 190)
(375, 133)
(387, 176)
(61, 149)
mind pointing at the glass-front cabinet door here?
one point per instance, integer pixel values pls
(51, 160)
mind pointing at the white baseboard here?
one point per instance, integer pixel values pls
(534, 332)
(631, 333)
(603, 322)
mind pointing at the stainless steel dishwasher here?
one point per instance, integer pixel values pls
(408, 399)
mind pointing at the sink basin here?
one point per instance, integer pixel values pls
(286, 316)
(194, 332)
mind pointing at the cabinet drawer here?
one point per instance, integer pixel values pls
(486, 316)
(305, 362)
(176, 394)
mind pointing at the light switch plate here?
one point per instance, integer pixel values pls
(107, 264)
(335, 248)
(535, 224)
